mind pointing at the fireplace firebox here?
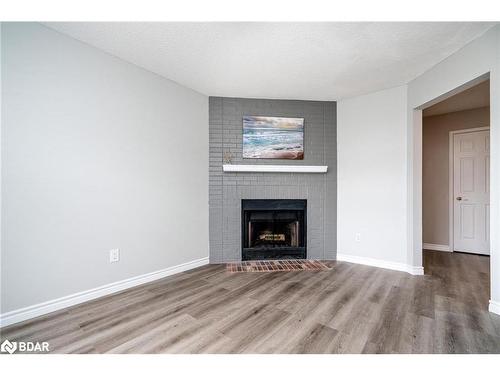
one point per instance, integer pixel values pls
(273, 228)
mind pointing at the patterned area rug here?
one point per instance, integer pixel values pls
(278, 265)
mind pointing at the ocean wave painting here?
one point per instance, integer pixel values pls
(273, 137)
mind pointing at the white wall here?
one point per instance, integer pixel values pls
(371, 126)
(372, 175)
(480, 57)
(96, 154)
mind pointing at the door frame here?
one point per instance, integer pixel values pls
(451, 179)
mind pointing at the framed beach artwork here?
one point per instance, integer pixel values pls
(273, 137)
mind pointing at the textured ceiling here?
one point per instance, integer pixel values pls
(476, 97)
(321, 61)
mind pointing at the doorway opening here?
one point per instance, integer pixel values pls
(455, 172)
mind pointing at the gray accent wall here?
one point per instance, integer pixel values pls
(226, 190)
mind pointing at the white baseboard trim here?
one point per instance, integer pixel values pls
(413, 270)
(43, 308)
(494, 307)
(433, 246)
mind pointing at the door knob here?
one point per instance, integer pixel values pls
(459, 198)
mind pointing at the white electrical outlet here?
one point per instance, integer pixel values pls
(357, 237)
(114, 255)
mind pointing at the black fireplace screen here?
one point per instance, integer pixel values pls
(273, 229)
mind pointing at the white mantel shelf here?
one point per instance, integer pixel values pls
(275, 168)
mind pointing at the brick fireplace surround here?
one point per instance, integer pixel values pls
(228, 189)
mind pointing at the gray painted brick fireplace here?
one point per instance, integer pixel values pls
(227, 189)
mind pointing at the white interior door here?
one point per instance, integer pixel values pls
(471, 181)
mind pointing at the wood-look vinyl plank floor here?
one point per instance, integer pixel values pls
(348, 309)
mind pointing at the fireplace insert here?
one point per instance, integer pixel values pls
(273, 228)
